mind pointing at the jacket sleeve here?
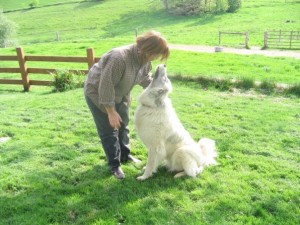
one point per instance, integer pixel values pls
(113, 67)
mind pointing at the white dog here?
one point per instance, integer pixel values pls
(163, 134)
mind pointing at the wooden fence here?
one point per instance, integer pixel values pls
(282, 39)
(24, 70)
(245, 34)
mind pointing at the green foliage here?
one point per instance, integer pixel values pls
(294, 90)
(34, 4)
(268, 86)
(234, 5)
(64, 80)
(221, 6)
(245, 83)
(185, 8)
(196, 7)
(7, 31)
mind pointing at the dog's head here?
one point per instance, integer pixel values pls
(157, 92)
(161, 84)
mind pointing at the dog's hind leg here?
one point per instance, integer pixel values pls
(180, 174)
(191, 168)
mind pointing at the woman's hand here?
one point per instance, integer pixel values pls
(115, 119)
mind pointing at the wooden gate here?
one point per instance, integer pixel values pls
(282, 39)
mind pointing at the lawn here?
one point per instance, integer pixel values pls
(183, 63)
(53, 170)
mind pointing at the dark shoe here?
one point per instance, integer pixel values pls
(133, 159)
(118, 172)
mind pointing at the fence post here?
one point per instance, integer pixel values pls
(265, 40)
(90, 57)
(291, 38)
(247, 40)
(57, 36)
(23, 68)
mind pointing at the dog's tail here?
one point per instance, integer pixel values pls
(208, 149)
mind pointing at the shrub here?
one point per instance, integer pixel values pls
(267, 87)
(185, 8)
(245, 83)
(294, 90)
(64, 80)
(234, 5)
(34, 4)
(7, 30)
(221, 6)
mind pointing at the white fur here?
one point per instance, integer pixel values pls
(163, 134)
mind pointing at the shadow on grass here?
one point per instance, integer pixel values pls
(61, 195)
(244, 84)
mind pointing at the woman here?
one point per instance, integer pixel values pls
(107, 92)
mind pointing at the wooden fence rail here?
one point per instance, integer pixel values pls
(24, 70)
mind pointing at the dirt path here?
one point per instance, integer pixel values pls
(253, 51)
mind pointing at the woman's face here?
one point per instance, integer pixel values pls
(150, 58)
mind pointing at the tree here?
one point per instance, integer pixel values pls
(7, 30)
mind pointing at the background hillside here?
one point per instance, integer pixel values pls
(118, 19)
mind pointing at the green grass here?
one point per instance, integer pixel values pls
(89, 20)
(186, 64)
(53, 170)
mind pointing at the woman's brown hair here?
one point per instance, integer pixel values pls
(152, 43)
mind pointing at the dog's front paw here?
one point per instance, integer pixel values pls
(142, 177)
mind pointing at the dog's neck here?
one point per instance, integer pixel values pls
(159, 103)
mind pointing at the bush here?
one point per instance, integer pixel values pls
(64, 80)
(267, 87)
(221, 6)
(245, 83)
(294, 90)
(185, 8)
(234, 5)
(195, 7)
(34, 4)
(7, 30)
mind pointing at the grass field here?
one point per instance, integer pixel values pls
(88, 20)
(186, 64)
(53, 170)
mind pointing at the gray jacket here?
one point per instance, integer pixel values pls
(113, 77)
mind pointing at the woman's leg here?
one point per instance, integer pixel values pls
(124, 141)
(109, 136)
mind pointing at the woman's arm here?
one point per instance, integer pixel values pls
(115, 119)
